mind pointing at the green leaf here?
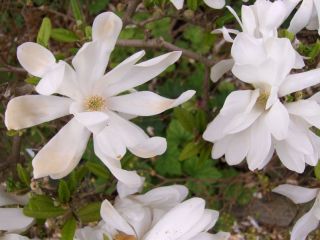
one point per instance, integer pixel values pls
(44, 32)
(185, 118)
(33, 80)
(97, 169)
(315, 50)
(63, 191)
(189, 151)
(192, 4)
(168, 164)
(89, 213)
(23, 175)
(63, 35)
(42, 207)
(96, 6)
(69, 229)
(76, 177)
(201, 120)
(76, 11)
(317, 171)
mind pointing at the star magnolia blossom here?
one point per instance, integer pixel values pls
(252, 123)
(308, 15)
(217, 4)
(260, 20)
(308, 222)
(12, 219)
(13, 236)
(158, 214)
(91, 97)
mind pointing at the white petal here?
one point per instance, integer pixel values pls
(129, 178)
(299, 81)
(163, 197)
(249, 20)
(220, 147)
(302, 17)
(90, 63)
(114, 219)
(277, 120)
(135, 138)
(35, 58)
(236, 102)
(143, 72)
(291, 159)
(238, 147)
(93, 121)
(219, 69)
(178, 4)
(145, 103)
(307, 109)
(248, 50)
(7, 198)
(260, 144)
(226, 33)
(217, 4)
(215, 129)
(178, 220)
(305, 225)
(150, 147)
(110, 143)
(13, 236)
(125, 190)
(13, 220)
(51, 79)
(63, 152)
(207, 221)
(296, 193)
(106, 28)
(116, 74)
(30, 110)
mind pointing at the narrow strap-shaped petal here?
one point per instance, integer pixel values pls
(302, 17)
(30, 110)
(113, 219)
(299, 81)
(63, 152)
(35, 58)
(146, 103)
(142, 73)
(219, 69)
(305, 225)
(296, 193)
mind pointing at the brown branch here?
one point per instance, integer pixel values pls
(132, 6)
(160, 43)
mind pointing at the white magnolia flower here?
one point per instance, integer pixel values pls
(12, 218)
(217, 4)
(308, 15)
(252, 123)
(159, 214)
(93, 99)
(308, 222)
(260, 20)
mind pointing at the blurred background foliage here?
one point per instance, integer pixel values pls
(247, 208)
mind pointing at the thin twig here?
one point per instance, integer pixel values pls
(132, 6)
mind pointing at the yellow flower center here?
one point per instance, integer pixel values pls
(263, 98)
(122, 236)
(95, 103)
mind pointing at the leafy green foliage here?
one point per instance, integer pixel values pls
(42, 207)
(63, 35)
(44, 32)
(69, 229)
(89, 213)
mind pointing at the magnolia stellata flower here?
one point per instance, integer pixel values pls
(252, 123)
(91, 97)
(308, 15)
(260, 20)
(309, 221)
(159, 214)
(12, 219)
(217, 4)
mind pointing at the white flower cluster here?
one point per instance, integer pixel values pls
(252, 125)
